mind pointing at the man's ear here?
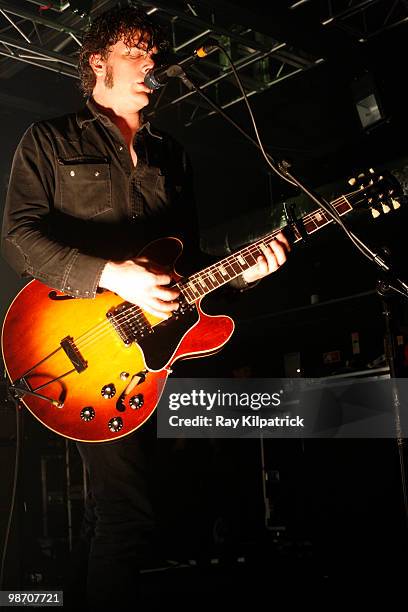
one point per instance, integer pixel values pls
(97, 64)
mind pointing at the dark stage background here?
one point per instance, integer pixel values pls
(335, 506)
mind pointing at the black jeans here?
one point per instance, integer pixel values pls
(118, 527)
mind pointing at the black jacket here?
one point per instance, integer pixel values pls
(75, 199)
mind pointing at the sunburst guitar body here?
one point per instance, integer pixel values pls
(94, 369)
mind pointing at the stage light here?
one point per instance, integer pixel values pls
(367, 101)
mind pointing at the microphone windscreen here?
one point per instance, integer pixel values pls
(151, 82)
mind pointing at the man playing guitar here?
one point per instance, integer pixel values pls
(87, 191)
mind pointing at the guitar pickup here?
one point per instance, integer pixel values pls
(73, 354)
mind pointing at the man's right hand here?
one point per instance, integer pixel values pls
(141, 282)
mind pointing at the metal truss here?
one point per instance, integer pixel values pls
(261, 61)
(44, 34)
(362, 19)
(48, 35)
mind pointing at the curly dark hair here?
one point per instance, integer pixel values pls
(129, 24)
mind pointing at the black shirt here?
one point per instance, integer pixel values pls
(75, 200)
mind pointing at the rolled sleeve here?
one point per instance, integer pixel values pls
(83, 276)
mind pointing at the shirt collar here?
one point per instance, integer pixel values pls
(90, 112)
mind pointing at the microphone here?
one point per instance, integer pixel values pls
(158, 77)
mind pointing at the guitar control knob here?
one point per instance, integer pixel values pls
(87, 413)
(108, 391)
(115, 424)
(136, 401)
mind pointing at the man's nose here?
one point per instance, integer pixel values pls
(148, 64)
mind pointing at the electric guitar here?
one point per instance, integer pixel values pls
(94, 370)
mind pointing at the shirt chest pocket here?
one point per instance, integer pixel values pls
(85, 186)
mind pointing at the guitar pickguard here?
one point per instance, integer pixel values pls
(159, 346)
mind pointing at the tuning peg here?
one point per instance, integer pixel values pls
(352, 181)
(386, 208)
(375, 213)
(371, 170)
(395, 204)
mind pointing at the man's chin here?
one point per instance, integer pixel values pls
(142, 97)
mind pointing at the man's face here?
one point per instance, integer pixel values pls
(124, 71)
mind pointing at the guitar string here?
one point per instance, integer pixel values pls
(135, 313)
(205, 275)
(90, 336)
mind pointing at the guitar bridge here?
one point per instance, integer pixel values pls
(73, 354)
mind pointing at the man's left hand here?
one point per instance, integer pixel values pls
(275, 255)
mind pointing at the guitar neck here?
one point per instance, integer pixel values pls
(199, 284)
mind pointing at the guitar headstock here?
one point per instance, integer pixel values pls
(379, 192)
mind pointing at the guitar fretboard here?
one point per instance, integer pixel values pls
(199, 284)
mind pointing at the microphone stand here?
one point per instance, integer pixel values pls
(393, 283)
(384, 288)
(282, 169)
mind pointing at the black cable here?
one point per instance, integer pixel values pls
(271, 162)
